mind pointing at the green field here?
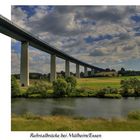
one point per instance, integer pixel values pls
(102, 82)
(64, 123)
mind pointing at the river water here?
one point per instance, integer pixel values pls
(78, 107)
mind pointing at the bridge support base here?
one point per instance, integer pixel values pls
(24, 64)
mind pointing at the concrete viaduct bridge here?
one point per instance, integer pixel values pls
(10, 29)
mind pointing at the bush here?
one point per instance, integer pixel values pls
(15, 89)
(64, 87)
(91, 93)
(72, 81)
(38, 89)
(71, 84)
(124, 87)
(79, 92)
(135, 85)
(135, 115)
(107, 92)
(60, 87)
(130, 87)
(100, 93)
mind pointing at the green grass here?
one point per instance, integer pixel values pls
(102, 82)
(64, 123)
(95, 83)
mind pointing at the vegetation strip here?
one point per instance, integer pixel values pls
(30, 122)
(68, 87)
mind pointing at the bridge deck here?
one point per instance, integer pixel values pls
(10, 29)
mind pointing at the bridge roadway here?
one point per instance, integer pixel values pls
(12, 30)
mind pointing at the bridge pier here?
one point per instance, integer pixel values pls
(24, 64)
(77, 71)
(92, 72)
(85, 71)
(67, 68)
(53, 68)
(14, 31)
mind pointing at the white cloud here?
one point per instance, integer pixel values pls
(62, 27)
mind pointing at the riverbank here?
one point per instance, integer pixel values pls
(86, 87)
(29, 122)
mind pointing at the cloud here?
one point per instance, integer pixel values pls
(128, 48)
(98, 53)
(112, 31)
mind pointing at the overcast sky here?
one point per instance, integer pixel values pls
(104, 36)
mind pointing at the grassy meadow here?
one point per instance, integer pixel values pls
(65, 123)
(95, 83)
(102, 82)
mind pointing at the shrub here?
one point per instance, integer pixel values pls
(60, 87)
(100, 93)
(124, 87)
(64, 87)
(38, 89)
(130, 87)
(81, 92)
(135, 115)
(71, 84)
(91, 93)
(15, 89)
(72, 81)
(135, 85)
(107, 92)
(50, 91)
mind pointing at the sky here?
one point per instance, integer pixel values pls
(104, 36)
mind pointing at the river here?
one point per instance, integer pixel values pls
(78, 107)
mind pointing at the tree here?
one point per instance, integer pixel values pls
(60, 87)
(125, 86)
(15, 89)
(107, 70)
(130, 87)
(135, 85)
(63, 87)
(71, 81)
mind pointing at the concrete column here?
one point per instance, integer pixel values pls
(85, 71)
(77, 71)
(92, 72)
(53, 68)
(24, 64)
(67, 68)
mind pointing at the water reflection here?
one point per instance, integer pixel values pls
(85, 107)
(62, 111)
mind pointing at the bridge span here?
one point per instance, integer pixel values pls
(12, 30)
